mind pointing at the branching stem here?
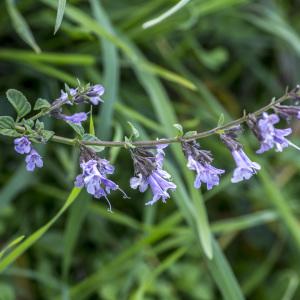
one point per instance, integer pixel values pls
(149, 143)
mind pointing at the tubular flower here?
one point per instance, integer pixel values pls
(82, 94)
(245, 168)
(22, 145)
(75, 118)
(89, 94)
(269, 136)
(33, 160)
(148, 172)
(200, 161)
(94, 93)
(287, 112)
(94, 175)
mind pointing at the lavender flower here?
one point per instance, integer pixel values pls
(66, 96)
(94, 93)
(90, 94)
(287, 112)
(76, 118)
(93, 176)
(22, 145)
(245, 168)
(200, 161)
(268, 135)
(82, 94)
(33, 160)
(148, 172)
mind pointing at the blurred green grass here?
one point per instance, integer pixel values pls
(210, 57)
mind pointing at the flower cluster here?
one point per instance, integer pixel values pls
(200, 161)
(269, 136)
(82, 94)
(33, 159)
(149, 172)
(245, 168)
(94, 175)
(148, 161)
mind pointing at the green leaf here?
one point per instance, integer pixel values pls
(47, 135)
(92, 138)
(179, 129)
(19, 102)
(41, 104)
(166, 14)
(33, 238)
(128, 142)
(221, 120)
(60, 13)
(77, 128)
(21, 26)
(190, 134)
(10, 132)
(6, 122)
(134, 131)
(92, 126)
(39, 125)
(11, 245)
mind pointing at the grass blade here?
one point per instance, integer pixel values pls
(60, 14)
(21, 26)
(34, 237)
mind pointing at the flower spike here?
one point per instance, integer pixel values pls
(269, 136)
(33, 159)
(94, 175)
(148, 172)
(200, 161)
(245, 168)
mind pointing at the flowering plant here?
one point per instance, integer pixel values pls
(148, 166)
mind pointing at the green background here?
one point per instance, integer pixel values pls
(211, 59)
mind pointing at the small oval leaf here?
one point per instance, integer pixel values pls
(77, 128)
(134, 132)
(10, 132)
(41, 104)
(190, 134)
(19, 102)
(91, 138)
(6, 122)
(179, 129)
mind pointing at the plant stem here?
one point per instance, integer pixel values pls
(196, 136)
(67, 141)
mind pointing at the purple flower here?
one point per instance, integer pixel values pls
(93, 176)
(22, 145)
(94, 93)
(268, 135)
(287, 112)
(93, 179)
(66, 96)
(200, 161)
(76, 118)
(33, 160)
(148, 172)
(81, 94)
(245, 168)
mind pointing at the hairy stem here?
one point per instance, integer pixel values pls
(59, 139)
